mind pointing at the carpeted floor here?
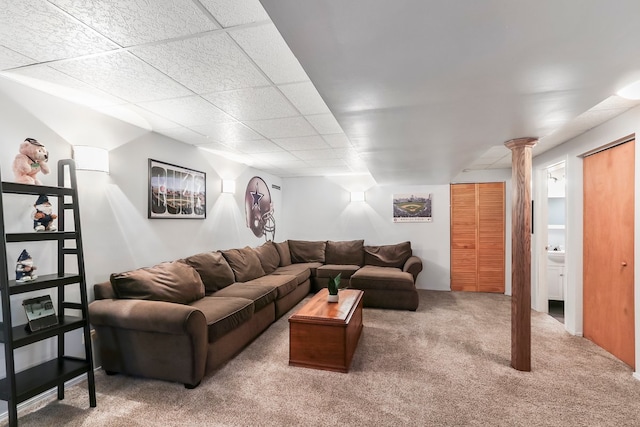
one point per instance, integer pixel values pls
(446, 364)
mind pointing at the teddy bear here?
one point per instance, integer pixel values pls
(32, 159)
(43, 216)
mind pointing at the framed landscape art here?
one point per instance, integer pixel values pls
(176, 191)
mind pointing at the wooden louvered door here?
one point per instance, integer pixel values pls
(477, 237)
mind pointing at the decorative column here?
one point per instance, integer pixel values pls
(521, 252)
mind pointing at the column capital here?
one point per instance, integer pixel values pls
(521, 142)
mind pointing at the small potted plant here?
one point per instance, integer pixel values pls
(332, 287)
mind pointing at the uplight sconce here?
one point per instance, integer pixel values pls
(91, 158)
(228, 186)
(357, 196)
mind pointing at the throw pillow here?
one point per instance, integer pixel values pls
(283, 251)
(169, 281)
(269, 257)
(387, 255)
(244, 263)
(345, 253)
(213, 269)
(306, 251)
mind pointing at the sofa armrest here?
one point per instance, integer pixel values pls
(414, 266)
(145, 315)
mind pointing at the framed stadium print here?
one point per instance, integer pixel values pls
(412, 208)
(176, 191)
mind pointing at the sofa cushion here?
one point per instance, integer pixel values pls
(385, 278)
(283, 283)
(387, 255)
(244, 263)
(261, 295)
(169, 281)
(224, 314)
(213, 269)
(269, 257)
(283, 251)
(302, 271)
(344, 252)
(306, 251)
(332, 270)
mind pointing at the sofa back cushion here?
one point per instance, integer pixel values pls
(213, 269)
(387, 255)
(346, 252)
(283, 251)
(169, 281)
(306, 251)
(269, 257)
(244, 263)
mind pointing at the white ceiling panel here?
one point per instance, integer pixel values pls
(11, 59)
(302, 143)
(253, 103)
(124, 76)
(315, 154)
(208, 63)
(257, 146)
(337, 140)
(305, 97)
(154, 121)
(131, 22)
(228, 132)
(39, 30)
(325, 124)
(283, 128)
(266, 47)
(276, 158)
(187, 111)
(236, 12)
(184, 135)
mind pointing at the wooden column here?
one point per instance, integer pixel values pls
(521, 252)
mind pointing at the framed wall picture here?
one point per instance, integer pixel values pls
(176, 191)
(412, 208)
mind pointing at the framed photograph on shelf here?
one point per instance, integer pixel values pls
(176, 191)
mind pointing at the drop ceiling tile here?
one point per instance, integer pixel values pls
(58, 35)
(324, 123)
(186, 135)
(267, 48)
(315, 154)
(305, 97)
(236, 12)
(282, 128)
(156, 122)
(253, 103)
(10, 59)
(258, 146)
(52, 81)
(228, 132)
(329, 163)
(188, 111)
(276, 158)
(337, 140)
(124, 76)
(134, 22)
(616, 102)
(205, 64)
(302, 143)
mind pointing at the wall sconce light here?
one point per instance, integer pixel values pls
(228, 186)
(91, 158)
(357, 196)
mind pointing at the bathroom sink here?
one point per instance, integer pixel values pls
(556, 256)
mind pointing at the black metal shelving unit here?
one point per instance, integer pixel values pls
(16, 387)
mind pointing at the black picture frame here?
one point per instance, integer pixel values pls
(176, 192)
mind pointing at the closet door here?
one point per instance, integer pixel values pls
(477, 237)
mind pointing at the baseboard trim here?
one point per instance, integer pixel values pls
(4, 416)
(636, 375)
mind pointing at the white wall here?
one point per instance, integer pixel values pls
(571, 151)
(319, 208)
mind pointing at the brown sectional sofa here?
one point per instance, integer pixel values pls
(180, 320)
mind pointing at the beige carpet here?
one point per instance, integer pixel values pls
(446, 364)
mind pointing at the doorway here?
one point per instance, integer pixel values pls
(608, 250)
(556, 240)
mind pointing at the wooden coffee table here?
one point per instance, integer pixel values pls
(324, 335)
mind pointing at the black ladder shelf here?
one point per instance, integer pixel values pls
(17, 387)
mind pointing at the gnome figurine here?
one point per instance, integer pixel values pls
(25, 270)
(43, 216)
